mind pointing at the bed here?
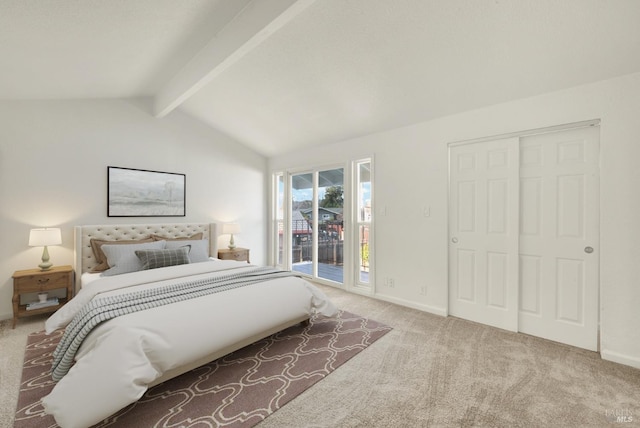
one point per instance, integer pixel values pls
(117, 360)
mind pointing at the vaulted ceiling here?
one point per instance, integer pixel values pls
(280, 75)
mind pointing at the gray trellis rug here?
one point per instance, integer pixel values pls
(238, 390)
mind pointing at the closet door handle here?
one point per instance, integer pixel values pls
(588, 250)
(454, 240)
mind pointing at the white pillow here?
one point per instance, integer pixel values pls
(123, 259)
(199, 248)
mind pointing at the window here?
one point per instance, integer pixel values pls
(364, 217)
(279, 230)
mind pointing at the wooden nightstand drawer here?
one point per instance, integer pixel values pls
(37, 283)
(239, 254)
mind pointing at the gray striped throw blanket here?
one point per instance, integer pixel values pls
(104, 308)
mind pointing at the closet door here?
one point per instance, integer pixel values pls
(559, 229)
(483, 232)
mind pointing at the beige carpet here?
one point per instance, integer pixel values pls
(431, 371)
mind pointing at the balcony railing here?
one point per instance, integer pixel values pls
(329, 252)
(330, 260)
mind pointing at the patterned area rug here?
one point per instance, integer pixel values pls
(238, 390)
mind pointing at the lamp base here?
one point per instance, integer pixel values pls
(232, 244)
(46, 264)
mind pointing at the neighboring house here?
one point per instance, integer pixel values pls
(330, 221)
(300, 228)
(330, 235)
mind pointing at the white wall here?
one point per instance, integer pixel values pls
(411, 172)
(53, 172)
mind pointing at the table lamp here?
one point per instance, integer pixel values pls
(231, 228)
(43, 238)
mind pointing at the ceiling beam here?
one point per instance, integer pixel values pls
(253, 25)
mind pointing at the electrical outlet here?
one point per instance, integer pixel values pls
(423, 290)
(392, 283)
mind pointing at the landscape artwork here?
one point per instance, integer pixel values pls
(141, 193)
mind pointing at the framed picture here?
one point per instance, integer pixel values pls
(142, 193)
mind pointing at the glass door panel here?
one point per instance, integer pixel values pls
(330, 220)
(302, 223)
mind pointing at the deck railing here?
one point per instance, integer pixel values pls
(329, 252)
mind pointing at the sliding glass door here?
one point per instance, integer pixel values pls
(302, 254)
(317, 224)
(322, 223)
(330, 221)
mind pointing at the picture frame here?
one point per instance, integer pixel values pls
(144, 193)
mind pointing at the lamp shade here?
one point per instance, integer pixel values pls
(45, 237)
(231, 228)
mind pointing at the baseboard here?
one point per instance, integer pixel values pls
(419, 306)
(616, 357)
(6, 316)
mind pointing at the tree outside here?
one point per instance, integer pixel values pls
(333, 197)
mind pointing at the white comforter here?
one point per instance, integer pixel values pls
(121, 357)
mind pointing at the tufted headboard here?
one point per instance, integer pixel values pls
(83, 255)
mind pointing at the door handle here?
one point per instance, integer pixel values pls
(588, 250)
(454, 240)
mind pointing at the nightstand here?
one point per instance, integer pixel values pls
(239, 254)
(38, 281)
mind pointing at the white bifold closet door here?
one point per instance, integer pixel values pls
(526, 259)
